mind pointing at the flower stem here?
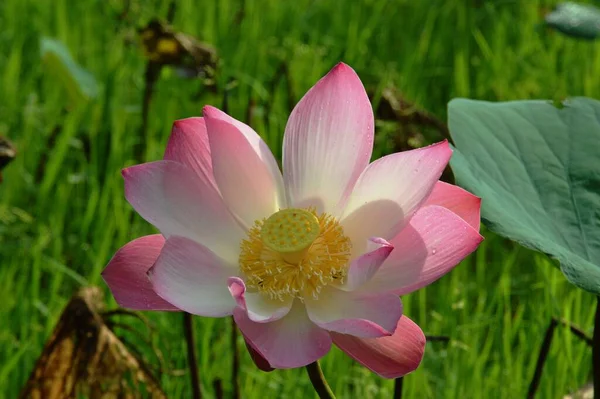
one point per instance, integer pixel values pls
(188, 330)
(318, 381)
(596, 351)
(544, 350)
(235, 362)
(398, 387)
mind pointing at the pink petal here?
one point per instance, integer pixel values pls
(328, 141)
(362, 315)
(391, 190)
(193, 278)
(434, 242)
(126, 276)
(362, 268)
(188, 145)
(459, 201)
(178, 202)
(290, 342)
(257, 358)
(260, 309)
(390, 357)
(246, 184)
(258, 144)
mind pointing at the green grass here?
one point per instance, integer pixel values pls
(63, 213)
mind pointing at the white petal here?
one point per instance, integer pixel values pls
(260, 308)
(178, 201)
(328, 142)
(244, 180)
(258, 144)
(390, 191)
(364, 267)
(361, 315)
(193, 278)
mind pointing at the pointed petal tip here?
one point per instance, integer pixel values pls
(184, 123)
(343, 71)
(214, 117)
(458, 200)
(444, 150)
(481, 239)
(386, 250)
(444, 143)
(342, 66)
(188, 145)
(382, 244)
(211, 112)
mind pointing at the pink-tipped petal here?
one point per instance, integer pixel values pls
(126, 276)
(188, 144)
(458, 200)
(177, 201)
(390, 357)
(433, 243)
(364, 267)
(328, 141)
(391, 190)
(246, 184)
(290, 342)
(260, 309)
(362, 315)
(192, 278)
(258, 144)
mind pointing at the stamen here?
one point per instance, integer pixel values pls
(296, 253)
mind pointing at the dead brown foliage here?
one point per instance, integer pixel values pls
(84, 358)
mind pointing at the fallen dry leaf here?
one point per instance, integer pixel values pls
(84, 358)
(164, 46)
(586, 392)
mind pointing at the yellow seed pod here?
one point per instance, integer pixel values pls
(290, 230)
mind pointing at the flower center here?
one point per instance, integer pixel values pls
(294, 253)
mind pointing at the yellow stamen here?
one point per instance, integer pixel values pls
(294, 253)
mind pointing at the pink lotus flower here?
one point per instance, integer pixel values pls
(317, 256)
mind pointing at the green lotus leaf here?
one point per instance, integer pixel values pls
(536, 167)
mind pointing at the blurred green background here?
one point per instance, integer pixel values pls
(63, 213)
